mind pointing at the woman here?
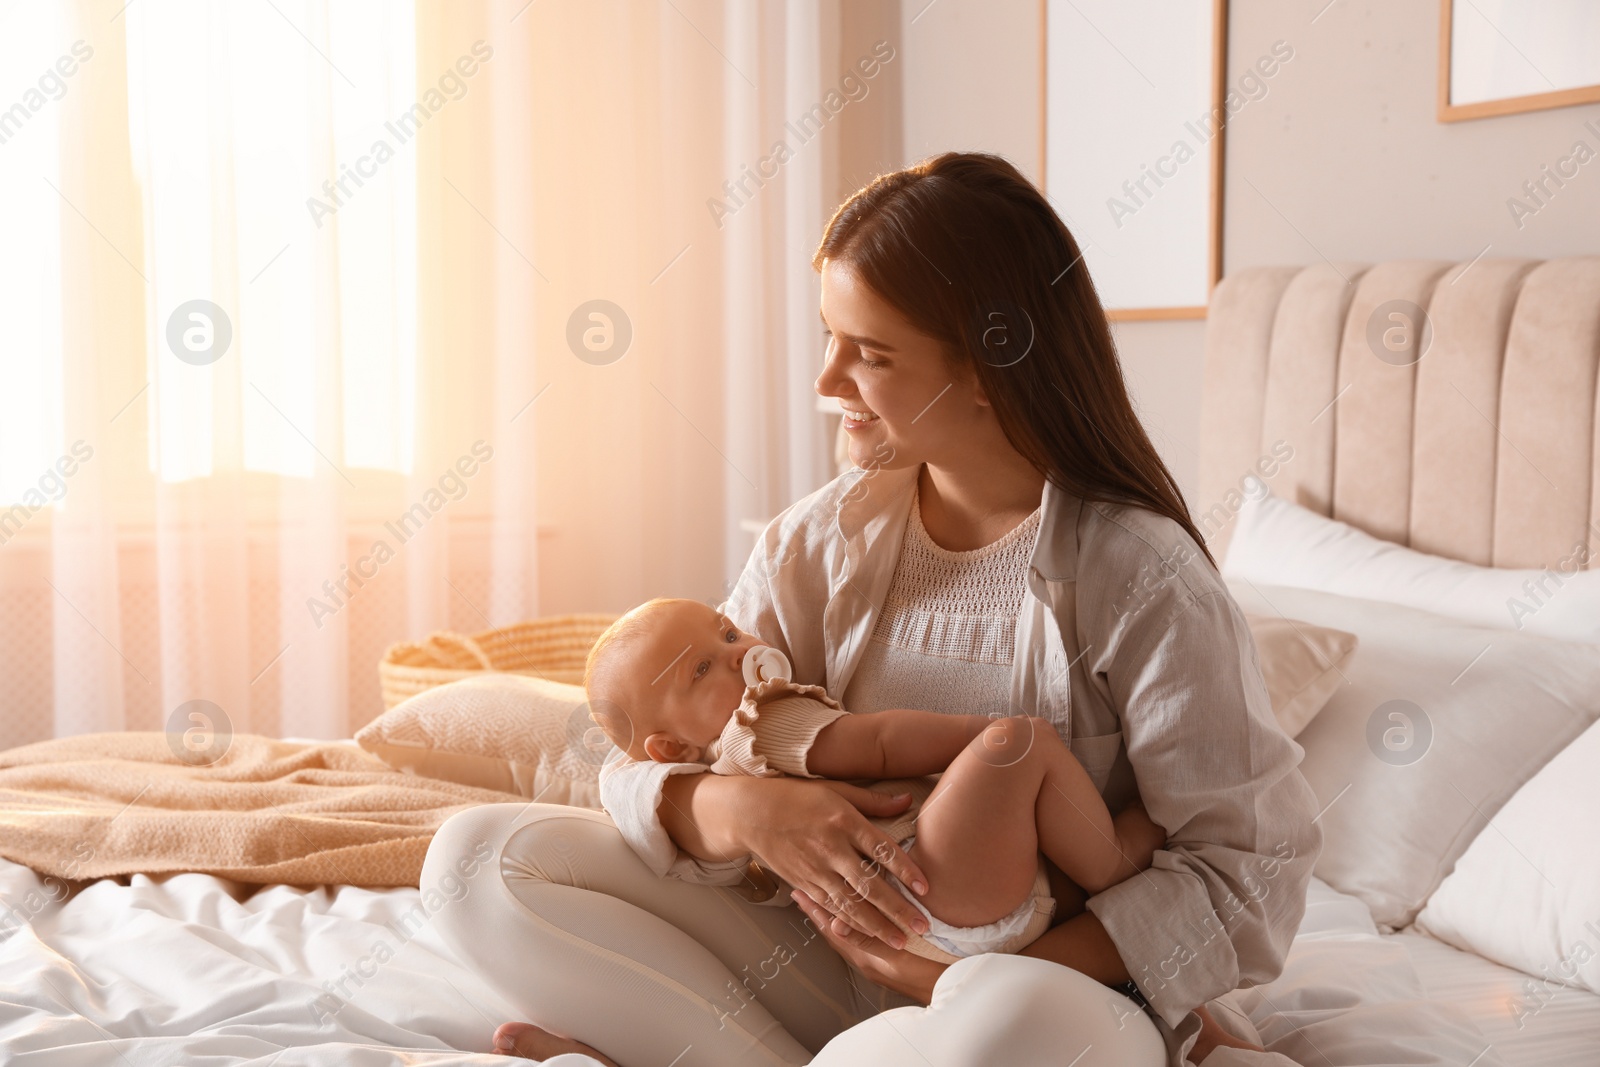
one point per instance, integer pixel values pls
(1008, 542)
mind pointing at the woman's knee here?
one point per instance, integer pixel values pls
(567, 890)
(469, 839)
(463, 859)
(537, 842)
(1006, 1009)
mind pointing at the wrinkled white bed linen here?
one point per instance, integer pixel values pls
(201, 971)
(1530, 1020)
(198, 970)
(1350, 996)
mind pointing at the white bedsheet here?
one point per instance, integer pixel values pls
(1350, 997)
(195, 970)
(1531, 1021)
(198, 970)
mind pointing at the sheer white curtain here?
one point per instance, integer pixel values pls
(312, 320)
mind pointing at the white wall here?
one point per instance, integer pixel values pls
(973, 81)
(1343, 158)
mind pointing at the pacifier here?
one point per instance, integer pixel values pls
(763, 663)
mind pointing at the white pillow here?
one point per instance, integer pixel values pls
(1281, 543)
(1527, 892)
(1437, 724)
(496, 731)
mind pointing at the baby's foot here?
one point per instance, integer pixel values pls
(531, 1043)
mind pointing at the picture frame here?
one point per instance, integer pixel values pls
(1147, 215)
(1500, 58)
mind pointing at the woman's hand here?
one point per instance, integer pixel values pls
(904, 972)
(813, 834)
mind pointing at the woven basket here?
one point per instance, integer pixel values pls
(552, 648)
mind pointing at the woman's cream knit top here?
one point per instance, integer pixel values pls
(945, 637)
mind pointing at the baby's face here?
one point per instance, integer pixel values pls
(691, 667)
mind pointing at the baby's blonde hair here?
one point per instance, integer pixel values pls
(625, 716)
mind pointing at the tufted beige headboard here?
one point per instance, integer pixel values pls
(1486, 449)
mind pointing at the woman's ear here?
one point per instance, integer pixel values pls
(663, 747)
(972, 380)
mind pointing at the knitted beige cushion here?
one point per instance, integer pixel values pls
(496, 731)
(1301, 665)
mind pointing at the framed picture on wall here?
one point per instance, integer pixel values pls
(1500, 57)
(1133, 117)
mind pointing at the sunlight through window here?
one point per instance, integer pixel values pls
(247, 127)
(31, 42)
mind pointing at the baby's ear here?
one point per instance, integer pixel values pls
(663, 747)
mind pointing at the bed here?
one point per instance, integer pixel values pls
(198, 970)
(1449, 408)
(1465, 430)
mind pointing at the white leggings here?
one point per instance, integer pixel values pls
(570, 927)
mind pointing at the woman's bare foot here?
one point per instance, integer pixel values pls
(1212, 1037)
(532, 1043)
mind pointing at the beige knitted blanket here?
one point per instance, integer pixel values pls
(268, 811)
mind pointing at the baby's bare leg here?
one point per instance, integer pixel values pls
(1017, 790)
(977, 837)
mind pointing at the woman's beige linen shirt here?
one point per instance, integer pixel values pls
(1131, 645)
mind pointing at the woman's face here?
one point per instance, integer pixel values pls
(903, 403)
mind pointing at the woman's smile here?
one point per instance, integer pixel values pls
(883, 373)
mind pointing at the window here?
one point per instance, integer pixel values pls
(277, 211)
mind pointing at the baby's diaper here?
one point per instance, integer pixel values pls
(1013, 933)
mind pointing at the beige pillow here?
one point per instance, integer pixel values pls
(498, 731)
(1301, 664)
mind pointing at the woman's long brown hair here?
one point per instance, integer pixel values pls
(973, 255)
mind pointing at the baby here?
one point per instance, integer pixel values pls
(674, 681)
